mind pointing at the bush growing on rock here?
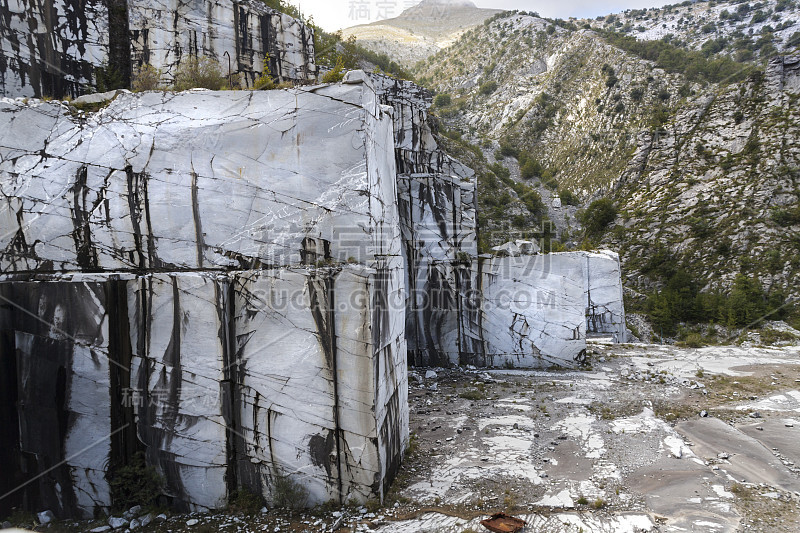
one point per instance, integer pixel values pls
(488, 87)
(597, 217)
(147, 78)
(199, 73)
(135, 484)
(264, 80)
(568, 197)
(442, 100)
(288, 494)
(336, 74)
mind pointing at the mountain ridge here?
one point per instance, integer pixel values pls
(703, 173)
(421, 30)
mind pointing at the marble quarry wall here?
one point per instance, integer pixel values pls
(181, 277)
(59, 47)
(232, 285)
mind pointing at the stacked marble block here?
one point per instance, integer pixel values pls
(56, 48)
(213, 279)
(466, 309)
(520, 311)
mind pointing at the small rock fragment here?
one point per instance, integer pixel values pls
(430, 374)
(46, 517)
(703, 413)
(117, 522)
(192, 522)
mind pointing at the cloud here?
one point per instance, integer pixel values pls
(336, 14)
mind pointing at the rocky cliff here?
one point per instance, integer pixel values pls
(69, 48)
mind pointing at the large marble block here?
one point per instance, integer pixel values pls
(415, 144)
(165, 32)
(198, 180)
(322, 381)
(179, 331)
(534, 310)
(51, 48)
(224, 381)
(70, 47)
(605, 313)
(56, 344)
(438, 226)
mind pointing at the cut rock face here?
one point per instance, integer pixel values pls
(73, 49)
(176, 282)
(209, 180)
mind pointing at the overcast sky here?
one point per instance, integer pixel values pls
(336, 14)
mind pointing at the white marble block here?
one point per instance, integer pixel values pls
(198, 180)
(321, 375)
(178, 329)
(165, 32)
(534, 310)
(605, 313)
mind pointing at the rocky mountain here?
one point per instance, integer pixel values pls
(420, 31)
(697, 150)
(743, 30)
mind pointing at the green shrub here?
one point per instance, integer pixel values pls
(786, 217)
(264, 80)
(507, 149)
(530, 168)
(692, 340)
(692, 64)
(336, 74)
(245, 501)
(147, 78)
(568, 197)
(746, 303)
(597, 217)
(203, 73)
(135, 484)
(473, 395)
(288, 494)
(442, 100)
(488, 87)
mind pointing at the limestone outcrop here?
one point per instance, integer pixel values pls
(67, 48)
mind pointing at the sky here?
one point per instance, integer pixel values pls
(335, 14)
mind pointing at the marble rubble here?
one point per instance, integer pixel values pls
(228, 282)
(66, 48)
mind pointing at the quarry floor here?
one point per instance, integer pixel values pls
(643, 438)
